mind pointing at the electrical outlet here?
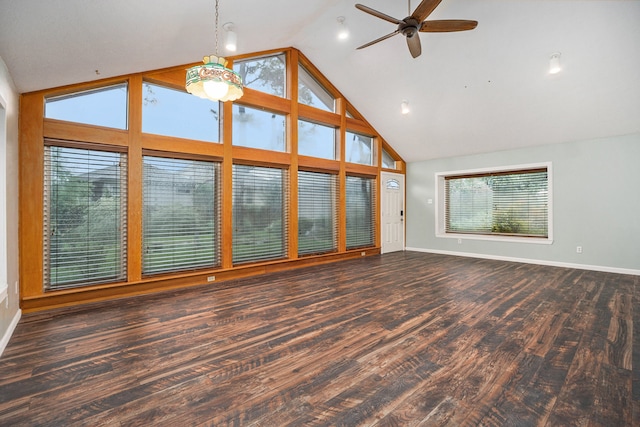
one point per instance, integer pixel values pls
(578, 249)
(211, 279)
(459, 241)
(363, 253)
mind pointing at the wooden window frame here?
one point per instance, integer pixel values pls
(94, 257)
(34, 128)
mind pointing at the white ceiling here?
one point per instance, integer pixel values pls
(470, 92)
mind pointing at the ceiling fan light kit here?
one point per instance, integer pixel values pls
(415, 23)
(214, 80)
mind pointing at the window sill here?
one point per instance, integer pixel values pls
(510, 239)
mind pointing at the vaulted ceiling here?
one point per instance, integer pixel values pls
(470, 92)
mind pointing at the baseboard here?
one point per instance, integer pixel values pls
(604, 269)
(7, 334)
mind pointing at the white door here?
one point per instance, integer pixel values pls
(392, 211)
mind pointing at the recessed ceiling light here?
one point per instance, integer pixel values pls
(554, 63)
(404, 107)
(343, 30)
(231, 38)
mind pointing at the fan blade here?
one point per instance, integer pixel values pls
(378, 14)
(424, 9)
(414, 45)
(447, 25)
(379, 40)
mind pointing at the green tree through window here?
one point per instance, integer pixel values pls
(507, 203)
(85, 205)
(181, 215)
(259, 213)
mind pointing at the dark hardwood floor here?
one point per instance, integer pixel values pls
(402, 339)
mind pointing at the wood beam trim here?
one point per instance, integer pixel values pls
(180, 145)
(58, 129)
(31, 172)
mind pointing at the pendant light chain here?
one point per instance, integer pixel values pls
(214, 80)
(217, 27)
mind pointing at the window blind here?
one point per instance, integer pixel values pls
(84, 217)
(181, 216)
(360, 203)
(260, 213)
(505, 203)
(317, 213)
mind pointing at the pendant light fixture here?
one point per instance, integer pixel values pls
(214, 80)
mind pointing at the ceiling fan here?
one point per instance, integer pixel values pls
(414, 23)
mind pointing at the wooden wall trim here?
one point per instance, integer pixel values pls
(292, 144)
(76, 296)
(319, 116)
(31, 154)
(260, 100)
(168, 144)
(57, 129)
(135, 182)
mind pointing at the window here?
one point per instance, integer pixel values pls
(388, 162)
(316, 140)
(258, 128)
(105, 106)
(177, 113)
(267, 74)
(181, 215)
(312, 93)
(84, 216)
(359, 149)
(393, 184)
(317, 213)
(260, 209)
(503, 203)
(360, 196)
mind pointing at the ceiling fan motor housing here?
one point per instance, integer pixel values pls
(409, 27)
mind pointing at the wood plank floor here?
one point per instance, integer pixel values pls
(401, 339)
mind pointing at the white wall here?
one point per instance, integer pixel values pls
(596, 205)
(9, 306)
